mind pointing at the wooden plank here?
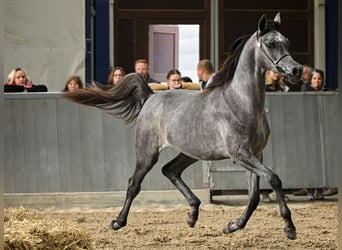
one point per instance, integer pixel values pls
(9, 152)
(29, 147)
(52, 145)
(85, 143)
(18, 142)
(110, 179)
(75, 159)
(329, 119)
(95, 149)
(123, 153)
(64, 145)
(42, 170)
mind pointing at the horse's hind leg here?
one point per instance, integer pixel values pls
(173, 171)
(253, 201)
(253, 164)
(143, 166)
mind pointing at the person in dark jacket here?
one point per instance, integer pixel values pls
(19, 81)
(316, 81)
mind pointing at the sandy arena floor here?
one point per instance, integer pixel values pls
(164, 227)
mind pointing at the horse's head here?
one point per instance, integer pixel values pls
(273, 48)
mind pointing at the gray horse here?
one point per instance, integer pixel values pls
(226, 120)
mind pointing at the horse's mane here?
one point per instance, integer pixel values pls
(227, 70)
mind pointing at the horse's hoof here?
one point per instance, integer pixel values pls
(230, 228)
(192, 219)
(115, 225)
(290, 233)
(191, 222)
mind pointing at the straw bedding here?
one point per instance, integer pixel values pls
(27, 229)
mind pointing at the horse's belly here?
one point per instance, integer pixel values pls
(199, 146)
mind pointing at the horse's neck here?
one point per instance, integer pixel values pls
(248, 83)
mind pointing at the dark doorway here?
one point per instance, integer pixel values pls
(132, 20)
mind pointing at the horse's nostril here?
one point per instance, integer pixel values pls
(297, 71)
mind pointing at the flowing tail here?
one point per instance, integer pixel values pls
(123, 100)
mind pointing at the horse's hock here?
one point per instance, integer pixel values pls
(49, 157)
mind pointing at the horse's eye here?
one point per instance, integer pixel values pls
(269, 45)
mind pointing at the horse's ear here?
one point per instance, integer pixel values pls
(277, 18)
(262, 23)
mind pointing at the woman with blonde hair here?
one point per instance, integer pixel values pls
(19, 81)
(274, 82)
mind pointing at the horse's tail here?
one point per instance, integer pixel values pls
(123, 100)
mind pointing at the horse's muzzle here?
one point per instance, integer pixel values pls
(295, 75)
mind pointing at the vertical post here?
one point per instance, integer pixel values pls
(111, 33)
(2, 28)
(319, 34)
(102, 64)
(331, 45)
(214, 43)
(339, 25)
(89, 40)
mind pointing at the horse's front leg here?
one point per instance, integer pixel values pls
(253, 164)
(253, 201)
(173, 171)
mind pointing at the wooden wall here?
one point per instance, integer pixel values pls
(53, 145)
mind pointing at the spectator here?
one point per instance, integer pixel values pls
(316, 81)
(115, 75)
(19, 81)
(73, 82)
(141, 67)
(174, 79)
(306, 75)
(273, 82)
(205, 72)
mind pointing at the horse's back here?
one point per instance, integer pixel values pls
(170, 103)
